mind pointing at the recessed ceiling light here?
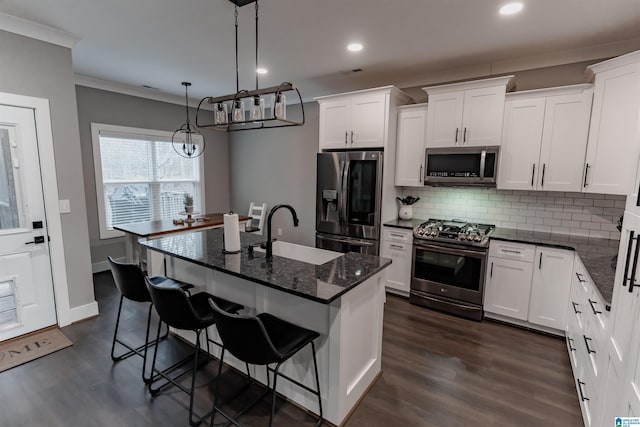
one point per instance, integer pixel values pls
(261, 70)
(355, 47)
(511, 8)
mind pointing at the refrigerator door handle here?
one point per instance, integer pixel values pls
(355, 242)
(345, 195)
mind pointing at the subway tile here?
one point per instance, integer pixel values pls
(590, 225)
(507, 224)
(583, 202)
(620, 204)
(562, 215)
(608, 227)
(550, 221)
(593, 210)
(570, 224)
(612, 211)
(579, 232)
(604, 203)
(526, 227)
(528, 199)
(563, 200)
(553, 208)
(544, 214)
(560, 230)
(581, 217)
(518, 219)
(510, 211)
(534, 220)
(573, 209)
(545, 199)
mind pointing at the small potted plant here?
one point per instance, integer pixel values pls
(406, 208)
(188, 203)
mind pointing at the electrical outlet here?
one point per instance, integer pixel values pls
(279, 231)
(65, 206)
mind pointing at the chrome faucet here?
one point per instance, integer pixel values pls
(269, 243)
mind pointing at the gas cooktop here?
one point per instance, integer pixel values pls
(454, 231)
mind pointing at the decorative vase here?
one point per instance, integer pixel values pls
(188, 209)
(405, 212)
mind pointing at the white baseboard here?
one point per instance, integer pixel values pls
(98, 267)
(84, 311)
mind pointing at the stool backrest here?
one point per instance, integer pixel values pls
(245, 337)
(257, 214)
(173, 305)
(129, 280)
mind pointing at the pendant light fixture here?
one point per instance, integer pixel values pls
(187, 141)
(249, 109)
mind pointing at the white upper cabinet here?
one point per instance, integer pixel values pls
(410, 153)
(612, 151)
(466, 114)
(544, 139)
(358, 120)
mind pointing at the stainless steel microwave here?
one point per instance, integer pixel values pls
(461, 166)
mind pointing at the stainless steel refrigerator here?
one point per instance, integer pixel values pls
(348, 201)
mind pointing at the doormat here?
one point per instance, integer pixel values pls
(22, 350)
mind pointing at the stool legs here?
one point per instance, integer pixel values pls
(140, 350)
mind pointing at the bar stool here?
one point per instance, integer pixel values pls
(262, 340)
(180, 311)
(129, 279)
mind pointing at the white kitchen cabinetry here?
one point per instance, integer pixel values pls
(544, 139)
(397, 245)
(508, 283)
(410, 152)
(612, 151)
(466, 114)
(550, 287)
(358, 119)
(528, 285)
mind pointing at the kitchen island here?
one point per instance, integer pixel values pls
(341, 296)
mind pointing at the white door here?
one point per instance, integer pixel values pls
(483, 113)
(444, 119)
(335, 123)
(26, 285)
(551, 287)
(368, 121)
(564, 142)
(410, 151)
(508, 287)
(520, 149)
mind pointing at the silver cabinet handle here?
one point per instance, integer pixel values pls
(346, 135)
(491, 272)
(420, 174)
(510, 251)
(456, 141)
(464, 137)
(575, 310)
(544, 166)
(396, 246)
(586, 173)
(593, 308)
(352, 137)
(586, 343)
(540, 264)
(533, 172)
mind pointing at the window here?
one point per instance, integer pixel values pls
(139, 177)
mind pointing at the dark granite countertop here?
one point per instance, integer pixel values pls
(597, 255)
(322, 283)
(408, 224)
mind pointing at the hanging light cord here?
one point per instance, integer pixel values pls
(256, 44)
(237, 66)
(186, 103)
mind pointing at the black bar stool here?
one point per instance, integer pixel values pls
(181, 311)
(129, 279)
(262, 340)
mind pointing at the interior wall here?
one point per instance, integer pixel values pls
(278, 166)
(35, 68)
(100, 106)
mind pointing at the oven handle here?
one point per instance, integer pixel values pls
(449, 250)
(460, 306)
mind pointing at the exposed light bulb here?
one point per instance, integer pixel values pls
(355, 47)
(511, 8)
(261, 70)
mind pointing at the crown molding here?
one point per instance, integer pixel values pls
(155, 95)
(13, 24)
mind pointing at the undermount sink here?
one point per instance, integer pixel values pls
(301, 253)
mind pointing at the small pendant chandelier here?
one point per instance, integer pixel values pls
(187, 141)
(229, 113)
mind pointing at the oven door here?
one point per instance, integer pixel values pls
(451, 272)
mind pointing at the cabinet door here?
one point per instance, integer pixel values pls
(410, 151)
(483, 113)
(520, 150)
(550, 289)
(508, 288)
(335, 124)
(612, 151)
(398, 274)
(444, 119)
(564, 142)
(368, 120)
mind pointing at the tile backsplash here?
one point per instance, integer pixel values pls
(593, 215)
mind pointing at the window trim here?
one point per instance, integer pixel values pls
(96, 128)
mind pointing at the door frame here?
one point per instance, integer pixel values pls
(44, 134)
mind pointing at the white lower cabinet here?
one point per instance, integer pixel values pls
(528, 285)
(397, 244)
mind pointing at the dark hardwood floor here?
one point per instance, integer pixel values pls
(439, 370)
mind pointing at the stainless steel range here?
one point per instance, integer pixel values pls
(449, 265)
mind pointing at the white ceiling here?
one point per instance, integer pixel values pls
(163, 42)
